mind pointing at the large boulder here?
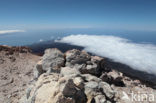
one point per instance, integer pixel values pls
(98, 92)
(38, 70)
(52, 61)
(93, 66)
(53, 88)
(107, 90)
(76, 57)
(89, 77)
(113, 77)
(99, 99)
(82, 61)
(42, 90)
(105, 66)
(69, 72)
(91, 69)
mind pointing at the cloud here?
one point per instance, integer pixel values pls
(138, 56)
(10, 31)
(41, 40)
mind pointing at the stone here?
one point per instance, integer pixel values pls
(82, 61)
(80, 67)
(69, 89)
(107, 90)
(92, 69)
(79, 82)
(51, 88)
(53, 60)
(113, 77)
(76, 57)
(100, 99)
(67, 71)
(92, 84)
(91, 90)
(92, 66)
(38, 70)
(105, 66)
(96, 59)
(43, 89)
(89, 77)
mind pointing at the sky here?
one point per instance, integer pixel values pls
(105, 14)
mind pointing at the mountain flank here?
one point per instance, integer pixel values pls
(16, 71)
(71, 77)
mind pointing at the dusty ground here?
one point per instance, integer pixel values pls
(16, 70)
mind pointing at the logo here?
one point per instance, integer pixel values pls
(125, 96)
(138, 97)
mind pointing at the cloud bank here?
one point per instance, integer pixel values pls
(10, 31)
(138, 56)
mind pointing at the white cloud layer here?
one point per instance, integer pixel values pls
(10, 31)
(138, 56)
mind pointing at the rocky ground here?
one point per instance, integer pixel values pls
(16, 71)
(71, 77)
(77, 77)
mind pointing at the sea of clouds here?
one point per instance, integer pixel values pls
(138, 56)
(10, 31)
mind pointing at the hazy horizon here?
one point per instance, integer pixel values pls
(70, 14)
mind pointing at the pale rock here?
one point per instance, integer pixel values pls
(107, 90)
(67, 71)
(92, 69)
(52, 60)
(38, 70)
(79, 82)
(100, 99)
(89, 77)
(51, 88)
(96, 59)
(76, 57)
(91, 90)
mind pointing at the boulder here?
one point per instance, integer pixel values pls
(98, 92)
(99, 99)
(67, 71)
(76, 57)
(105, 66)
(107, 90)
(91, 84)
(79, 82)
(89, 77)
(96, 59)
(91, 69)
(38, 70)
(91, 90)
(113, 77)
(82, 61)
(52, 60)
(51, 88)
(42, 90)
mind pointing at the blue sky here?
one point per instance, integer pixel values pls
(105, 14)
